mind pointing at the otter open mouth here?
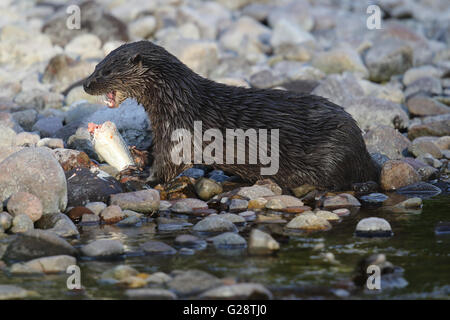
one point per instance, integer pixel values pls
(110, 99)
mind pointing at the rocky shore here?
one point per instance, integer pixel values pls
(394, 81)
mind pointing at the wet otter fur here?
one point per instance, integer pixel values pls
(319, 143)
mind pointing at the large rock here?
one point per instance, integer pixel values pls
(246, 36)
(200, 55)
(371, 112)
(396, 174)
(388, 141)
(37, 243)
(145, 201)
(338, 88)
(244, 291)
(103, 248)
(339, 60)
(36, 171)
(421, 105)
(54, 264)
(85, 186)
(192, 282)
(387, 58)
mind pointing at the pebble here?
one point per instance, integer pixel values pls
(150, 294)
(342, 200)
(342, 212)
(396, 174)
(103, 248)
(58, 223)
(5, 221)
(157, 247)
(144, 201)
(240, 291)
(47, 127)
(27, 139)
(21, 223)
(35, 170)
(191, 282)
(11, 292)
(190, 241)
(309, 222)
(229, 240)
(387, 58)
(25, 203)
(373, 227)
(261, 242)
(330, 216)
(232, 217)
(374, 198)
(112, 214)
(420, 148)
(207, 188)
(37, 243)
(214, 224)
(388, 141)
(411, 203)
(254, 192)
(54, 264)
(237, 205)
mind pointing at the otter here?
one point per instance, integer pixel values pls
(319, 144)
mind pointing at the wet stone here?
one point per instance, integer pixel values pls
(237, 205)
(157, 247)
(10, 292)
(21, 223)
(191, 282)
(229, 240)
(261, 242)
(214, 224)
(150, 294)
(54, 264)
(5, 221)
(420, 189)
(207, 188)
(75, 214)
(112, 214)
(442, 228)
(87, 219)
(373, 227)
(244, 291)
(103, 248)
(232, 217)
(374, 198)
(342, 200)
(190, 241)
(396, 174)
(144, 201)
(308, 222)
(330, 216)
(38, 243)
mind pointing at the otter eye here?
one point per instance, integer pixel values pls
(106, 72)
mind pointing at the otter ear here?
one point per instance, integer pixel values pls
(136, 59)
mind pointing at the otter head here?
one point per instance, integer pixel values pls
(127, 72)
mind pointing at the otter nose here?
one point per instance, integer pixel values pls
(88, 84)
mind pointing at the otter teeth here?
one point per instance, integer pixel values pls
(110, 100)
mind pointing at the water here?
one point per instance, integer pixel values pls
(297, 271)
